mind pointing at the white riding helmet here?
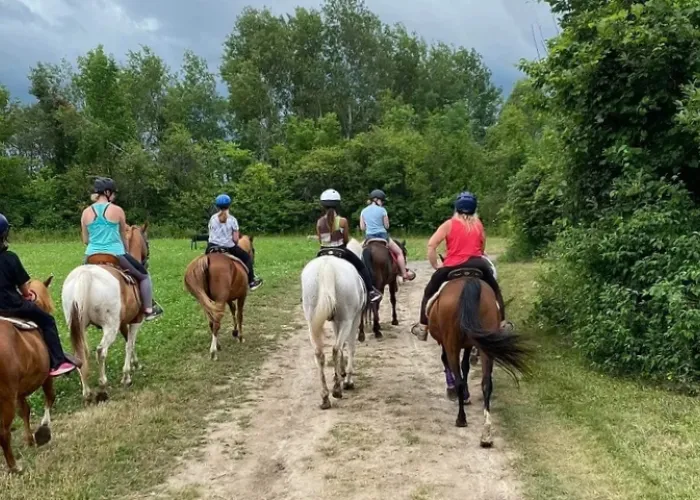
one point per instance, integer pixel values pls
(330, 198)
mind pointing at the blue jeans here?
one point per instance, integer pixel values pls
(378, 236)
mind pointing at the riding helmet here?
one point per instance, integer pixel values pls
(104, 184)
(466, 203)
(4, 226)
(223, 201)
(377, 194)
(330, 198)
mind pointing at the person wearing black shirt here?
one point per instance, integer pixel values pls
(13, 279)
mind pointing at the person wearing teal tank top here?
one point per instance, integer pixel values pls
(103, 227)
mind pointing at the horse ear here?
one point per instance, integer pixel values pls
(251, 238)
(144, 228)
(48, 281)
(403, 243)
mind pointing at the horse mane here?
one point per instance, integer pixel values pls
(43, 296)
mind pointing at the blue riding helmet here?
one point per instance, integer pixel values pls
(466, 203)
(4, 226)
(223, 201)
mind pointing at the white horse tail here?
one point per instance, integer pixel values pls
(76, 315)
(325, 306)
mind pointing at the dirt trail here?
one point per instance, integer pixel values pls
(393, 437)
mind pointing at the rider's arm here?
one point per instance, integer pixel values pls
(363, 226)
(83, 229)
(385, 220)
(21, 279)
(235, 232)
(434, 243)
(346, 230)
(121, 216)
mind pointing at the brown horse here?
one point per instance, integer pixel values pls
(24, 367)
(384, 271)
(100, 294)
(217, 279)
(466, 315)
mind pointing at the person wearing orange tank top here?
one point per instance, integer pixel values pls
(465, 239)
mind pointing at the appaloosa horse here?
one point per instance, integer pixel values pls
(217, 279)
(385, 271)
(24, 367)
(100, 293)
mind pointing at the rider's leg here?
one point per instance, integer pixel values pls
(400, 259)
(238, 252)
(353, 259)
(145, 284)
(436, 280)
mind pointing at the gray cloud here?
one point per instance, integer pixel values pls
(49, 30)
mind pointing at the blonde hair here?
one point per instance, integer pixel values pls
(468, 220)
(223, 215)
(94, 197)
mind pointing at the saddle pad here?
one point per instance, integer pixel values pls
(21, 324)
(375, 240)
(130, 280)
(453, 275)
(235, 259)
(432, 299)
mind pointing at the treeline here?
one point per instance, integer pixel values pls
(317, 99)
(607, 134)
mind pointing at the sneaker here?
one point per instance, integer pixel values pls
(507, 326)
(410, 275)
(155, 313)
(62, 369)
(375, 295)
(420, 331)
(72, 360)
(255, 284)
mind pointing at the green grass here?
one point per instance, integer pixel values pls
(585, 435)
(130, 443)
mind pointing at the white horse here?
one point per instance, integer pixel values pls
(94, 295)
(332, 290)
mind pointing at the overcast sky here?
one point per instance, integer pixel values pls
(49, 30)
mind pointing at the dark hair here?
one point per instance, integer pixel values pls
(330, 218)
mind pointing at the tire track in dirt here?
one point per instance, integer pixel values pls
(392, 437)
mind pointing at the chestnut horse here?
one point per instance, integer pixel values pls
(384, 271)
(99, 294)
(217, 279)
(466, 315)
(24, 367)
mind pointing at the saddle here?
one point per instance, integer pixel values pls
(331, 251)
(464, 272)
(224, 251)
(375, 240)
(102, 259)
(20, 324)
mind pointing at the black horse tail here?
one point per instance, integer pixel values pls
(367, 259)
(507, 349)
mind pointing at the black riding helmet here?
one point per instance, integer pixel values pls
(104, 184)
(377, 194)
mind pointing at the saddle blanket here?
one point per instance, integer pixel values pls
(224, 251)
(21, 324)
(456, 274)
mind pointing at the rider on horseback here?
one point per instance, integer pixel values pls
(374, 221)
(333, 231)
(223, 233)
(103, 226)
(465, 239)
(13, 277)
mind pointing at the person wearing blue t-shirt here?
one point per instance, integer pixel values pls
(374, 221)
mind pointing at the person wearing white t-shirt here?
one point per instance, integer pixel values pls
(224, 233)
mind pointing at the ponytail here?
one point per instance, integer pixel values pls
(330, 219)
(223, 215)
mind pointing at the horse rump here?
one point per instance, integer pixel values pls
(508, 349)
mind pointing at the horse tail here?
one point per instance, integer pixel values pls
(326, 303)
(197, 283)
(506, 349)
(76, 315)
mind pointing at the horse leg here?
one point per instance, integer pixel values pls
(377, 329)
(24, 413)
(349, 383)
(239, 319)
(487, 388)
(7, 414)
(474, 356)
(232, 308)
(133, 331)
(453, 362)
(465, 377)
(43, 433)
(365, 312)
(450, 390)
(109, 335)
(320, 365)
(215, 325)
(392, 297)
(130, 332)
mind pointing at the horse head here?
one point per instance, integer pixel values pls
(42, 294)
(245, 242)
(138, 242)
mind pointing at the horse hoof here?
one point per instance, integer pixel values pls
(378, 335)
(218, 347)
(337, 394)
(395, 322)
(16, 470)
(326, 403)
(348, 386)
(486, 442)
(235, 334)
(127, 383)
(42, 435)
(241, 340)
(461, 423)
(451, 393)
(468, 401)
(361, 337)
(102, 397)
(89, 399)
(213, 356)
